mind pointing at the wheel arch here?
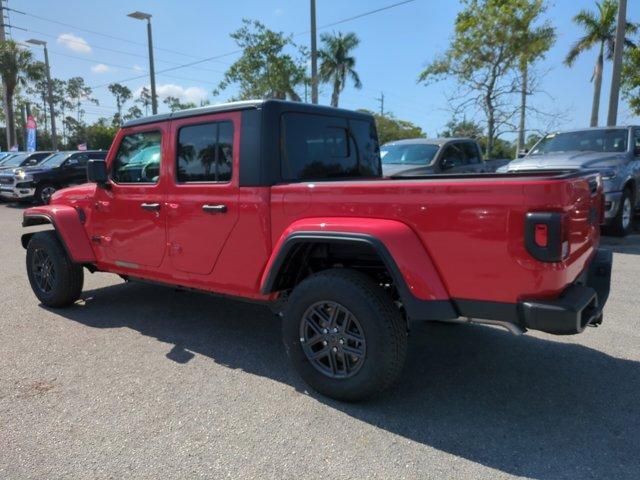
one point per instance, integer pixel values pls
(396, 247)
(68, 225)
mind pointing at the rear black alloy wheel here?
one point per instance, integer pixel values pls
(332, 339)
(344, 334)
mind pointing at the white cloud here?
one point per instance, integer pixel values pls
(72, 42)
(101, 68)
(185, 94)
(137, 68)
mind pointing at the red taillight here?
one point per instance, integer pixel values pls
(542, 235)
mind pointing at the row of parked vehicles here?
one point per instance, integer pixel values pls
(35, 176)
(614, 152)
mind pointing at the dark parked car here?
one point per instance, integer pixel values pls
(425, 156)
(39, 182)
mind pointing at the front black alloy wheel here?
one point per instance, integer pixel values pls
(344, 334)
(55, 279)
(43, 269)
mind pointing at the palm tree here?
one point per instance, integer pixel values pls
(600, 30)
(337, 63)
(533, 43)
(16, 68)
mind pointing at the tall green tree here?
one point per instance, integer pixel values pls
(122, 95)
(462, 128)
(17, 67)
(599, 31)
(271, 65)
(391, 128)
(144, 99)
(175, 104)
(481, 58)
(78, 92)
(337, 62)
(631, 79)
(534, 41)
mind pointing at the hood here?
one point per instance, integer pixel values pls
(568, 160)
(390, 169)
(35, 169)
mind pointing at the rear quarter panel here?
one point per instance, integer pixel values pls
(472, 229)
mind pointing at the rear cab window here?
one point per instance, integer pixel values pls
(322, 147)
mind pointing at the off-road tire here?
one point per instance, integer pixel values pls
(65, 286)
(40, 189)
(384, 329)
(618, 227)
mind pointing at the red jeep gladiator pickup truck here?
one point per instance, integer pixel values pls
(284, 203)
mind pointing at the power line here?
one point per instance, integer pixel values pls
(82, 29)
(216, 57)
(113, 50)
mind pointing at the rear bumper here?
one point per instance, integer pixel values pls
(578, 306)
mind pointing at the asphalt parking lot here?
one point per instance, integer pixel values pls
(147, 382)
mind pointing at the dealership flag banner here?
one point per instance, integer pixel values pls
(31, 134)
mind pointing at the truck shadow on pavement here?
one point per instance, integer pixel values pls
(523, 405)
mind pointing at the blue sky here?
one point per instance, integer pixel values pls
(395, 46)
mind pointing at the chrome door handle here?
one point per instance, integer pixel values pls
(152, 207)
(214, 208)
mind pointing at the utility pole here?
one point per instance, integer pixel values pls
(152, 70)
(381, 100)
(612, 117)
(314, 56)
(52, 113)
(3, 38)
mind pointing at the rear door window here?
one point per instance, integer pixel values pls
(205, 153)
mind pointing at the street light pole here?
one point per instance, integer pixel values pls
(314, 55)
(54, 135)
(612, 117)
(152, 70)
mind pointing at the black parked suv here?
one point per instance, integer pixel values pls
(39, 182)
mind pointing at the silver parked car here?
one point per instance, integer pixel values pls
(614, 151)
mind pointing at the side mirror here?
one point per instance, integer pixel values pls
(636, 151)
(447, 164)
(522, 153)
(97, 172)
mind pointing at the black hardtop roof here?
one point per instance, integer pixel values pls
(246, 105)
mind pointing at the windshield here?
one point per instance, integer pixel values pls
(56, 159)
(408, 154)
(17, 160)
(146, 155)
(583, 141)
